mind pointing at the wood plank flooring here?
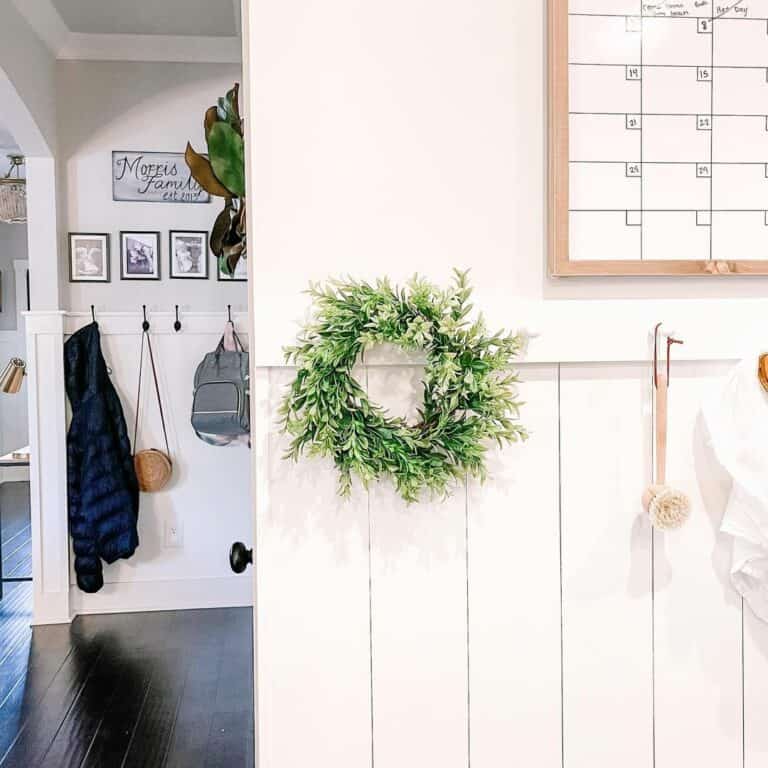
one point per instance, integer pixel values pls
(15, 531)
(158, 689)
(118, 691)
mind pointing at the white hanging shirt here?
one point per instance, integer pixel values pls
(737, 419)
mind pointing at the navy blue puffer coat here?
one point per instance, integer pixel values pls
(103, 491)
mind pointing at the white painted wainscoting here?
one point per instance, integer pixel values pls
(536, 620)
(209, 494)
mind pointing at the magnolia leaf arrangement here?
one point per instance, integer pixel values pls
(222, 174)
(469, 387)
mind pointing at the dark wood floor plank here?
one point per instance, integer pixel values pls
(228, 743)
(84, 719)
(14, 508)
(48, 712)
(14, 533)
(130, 690)
(152, 736)
(193, 724)
(121, 715)
(17, 562)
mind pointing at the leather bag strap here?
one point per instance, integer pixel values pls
(145, 335)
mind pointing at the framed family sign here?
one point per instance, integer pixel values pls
(154, 177)
(658, 137)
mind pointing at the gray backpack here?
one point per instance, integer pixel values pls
(221, 401)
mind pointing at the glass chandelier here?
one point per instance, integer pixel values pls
(13, 193)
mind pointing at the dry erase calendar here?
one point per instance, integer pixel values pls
(658, 137)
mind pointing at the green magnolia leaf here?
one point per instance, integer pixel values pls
(233, 102)
(221, 228)
(203, 174)
(224, 267)
(227, 155)
(228, 109)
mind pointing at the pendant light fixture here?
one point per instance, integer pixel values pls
(13, 193)
(12, 377)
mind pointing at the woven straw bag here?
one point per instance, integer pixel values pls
(153, 466)
(153, 469)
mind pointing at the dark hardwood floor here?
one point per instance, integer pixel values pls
(15, 531)
(129, 690)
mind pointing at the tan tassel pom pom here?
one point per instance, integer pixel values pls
(667, 507)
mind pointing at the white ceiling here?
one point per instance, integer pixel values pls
(7, 142)
(200, 31)
(212, 18)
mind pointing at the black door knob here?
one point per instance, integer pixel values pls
(240, 557)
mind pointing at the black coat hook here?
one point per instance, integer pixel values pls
(229, 313)
(145, 324)
(177, 324)
(93, 313)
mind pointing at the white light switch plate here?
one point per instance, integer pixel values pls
(173, 535)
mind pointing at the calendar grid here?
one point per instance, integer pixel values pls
(642, 112)
(633, 154)
(712, 129)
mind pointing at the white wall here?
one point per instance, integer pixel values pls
(412, 136)
(106, 106)
(536, 620)
(13, 246)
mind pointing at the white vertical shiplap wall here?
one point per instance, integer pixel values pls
(604, 462)
(535, 620)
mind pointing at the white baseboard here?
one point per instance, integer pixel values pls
(138, 596)
(14, 475)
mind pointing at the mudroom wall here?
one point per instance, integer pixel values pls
(185, 531)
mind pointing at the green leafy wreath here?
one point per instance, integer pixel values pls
(469, 388)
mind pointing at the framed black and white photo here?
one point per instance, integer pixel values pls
(240, 276)
(140, 255)
(88, 257)
(188, 255)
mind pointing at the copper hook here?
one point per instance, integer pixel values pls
(670, 342)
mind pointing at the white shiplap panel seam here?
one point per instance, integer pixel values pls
(370, 605)
(653, 585)
(466, 567)
(560, 550)
(743, 694)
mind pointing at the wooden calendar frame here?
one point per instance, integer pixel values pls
(560, 264)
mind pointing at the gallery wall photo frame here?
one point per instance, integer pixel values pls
(188, 255)
(89, 257)
(139, 255)
(647, 177)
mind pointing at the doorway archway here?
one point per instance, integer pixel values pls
(44, 339)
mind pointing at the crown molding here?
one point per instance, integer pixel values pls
(163, 48)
